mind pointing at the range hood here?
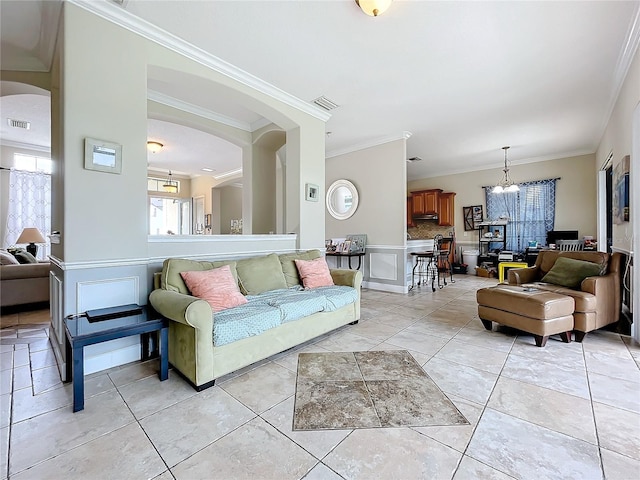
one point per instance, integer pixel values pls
(432, 216)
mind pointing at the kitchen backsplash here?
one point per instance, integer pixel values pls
(428, 230)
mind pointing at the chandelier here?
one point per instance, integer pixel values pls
(373, 8)
(506, 184)
(170, 186)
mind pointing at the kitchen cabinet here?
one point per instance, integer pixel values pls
(445, 209)
(426, 202)
(410, 212)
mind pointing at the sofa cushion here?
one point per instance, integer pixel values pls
(569, 272)
(260, 274)
(337, 296)
(600, 258)
(289, 268)
(217, 286)
(584, 301)
(7, 259)
(314, 273)
(25, 257)
(244, 321)
(171, 279)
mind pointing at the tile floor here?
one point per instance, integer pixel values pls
(564, 411)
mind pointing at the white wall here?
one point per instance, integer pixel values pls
(379, 174)
(230, 206)
(102, 216)
(617, 139)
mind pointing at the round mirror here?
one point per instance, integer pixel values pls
(342, 199)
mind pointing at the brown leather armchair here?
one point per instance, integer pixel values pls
(597, 302)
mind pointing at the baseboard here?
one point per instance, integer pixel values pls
(385, 287)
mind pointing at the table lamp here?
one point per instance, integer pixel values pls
(31, 235)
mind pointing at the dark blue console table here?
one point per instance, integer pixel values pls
(81, 332)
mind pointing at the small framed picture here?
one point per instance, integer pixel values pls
(472, 216)
(346, 246)
(102, 156)
(312, 192)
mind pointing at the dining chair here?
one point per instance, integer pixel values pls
(570, 245)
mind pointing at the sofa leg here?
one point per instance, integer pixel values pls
(579, 335)
(540, 341)
(353, 323)
(566, 337)
(204, 386)
(487, 324)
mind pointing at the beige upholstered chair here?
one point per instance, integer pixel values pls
(570, 245)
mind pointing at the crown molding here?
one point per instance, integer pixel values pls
(119, 16)
(372, 143)
(26, 146)
(621, 70)
(196, 110)
(543, 158)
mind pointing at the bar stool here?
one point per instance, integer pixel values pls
(443, 247)
(425, 267)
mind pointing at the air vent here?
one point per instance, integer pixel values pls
(414, 159)
(324, 102)
(19, 123)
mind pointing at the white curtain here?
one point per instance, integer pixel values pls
(29, 206)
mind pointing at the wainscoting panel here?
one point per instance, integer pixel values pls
(383, 266)
(57, 321)
(107, 293)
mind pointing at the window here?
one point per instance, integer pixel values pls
(531, 212)
(30, 163)
(169, 216)
(29, 199)
(155, 184)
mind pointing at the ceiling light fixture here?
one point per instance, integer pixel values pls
(170, 186)
(154, 147)
(373, 8)
(206, 169)
(506, 185)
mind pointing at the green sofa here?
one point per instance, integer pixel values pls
(191, 339)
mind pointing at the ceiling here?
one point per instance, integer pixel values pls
(464, 78)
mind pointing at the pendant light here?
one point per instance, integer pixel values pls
(506, 185)
(170, 186)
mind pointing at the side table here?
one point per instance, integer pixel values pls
(81, 332)
(504, 266)
(348, 255)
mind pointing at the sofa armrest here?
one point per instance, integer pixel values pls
(606, 289)
(182, 308)
(599, 285)
(346, 277)
(519, 276)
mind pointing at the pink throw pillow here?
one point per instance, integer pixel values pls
(314, 273)
(216, 286)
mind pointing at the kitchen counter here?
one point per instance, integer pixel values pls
(419, 241)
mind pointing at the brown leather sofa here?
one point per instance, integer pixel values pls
(24, 284)
(597, 301)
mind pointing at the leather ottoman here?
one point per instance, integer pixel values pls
(534, 311)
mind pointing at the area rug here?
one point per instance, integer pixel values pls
(348, 390)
